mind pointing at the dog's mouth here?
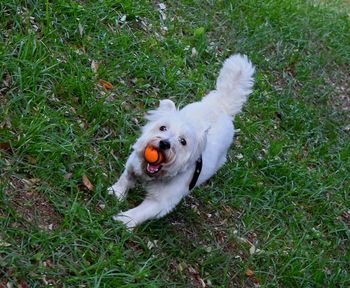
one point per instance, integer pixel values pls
(153, 169)
(154, 159)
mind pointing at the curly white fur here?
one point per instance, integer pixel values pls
(207, 129)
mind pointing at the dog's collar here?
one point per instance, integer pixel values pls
(197, 171)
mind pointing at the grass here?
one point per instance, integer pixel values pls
(276, 215)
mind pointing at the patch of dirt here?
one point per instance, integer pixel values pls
(210, 229)
(32, 205)
(341, 92)
(5, 283)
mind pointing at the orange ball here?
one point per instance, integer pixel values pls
(152, 155)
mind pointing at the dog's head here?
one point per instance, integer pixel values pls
(179, 141)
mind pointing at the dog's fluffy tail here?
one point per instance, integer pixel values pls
(234, 84)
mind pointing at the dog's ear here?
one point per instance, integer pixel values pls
(165, 106)
(203, 139)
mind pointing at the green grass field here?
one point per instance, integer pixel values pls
(276, 215)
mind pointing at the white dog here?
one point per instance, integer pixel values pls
(193, 143)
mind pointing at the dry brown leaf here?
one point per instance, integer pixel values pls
(5, 146)
(249, 272)
(87, 183)
(105, 84)
(23, 284)
(34, 181)
(199, 282)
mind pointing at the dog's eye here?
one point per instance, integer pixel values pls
(162, 128)
(183, 141)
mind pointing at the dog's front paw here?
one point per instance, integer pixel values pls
(117, 191)
(126, 220)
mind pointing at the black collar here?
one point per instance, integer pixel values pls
(197, 171)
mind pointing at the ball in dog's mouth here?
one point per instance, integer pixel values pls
(154, 159)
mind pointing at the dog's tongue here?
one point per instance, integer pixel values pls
(153, 167)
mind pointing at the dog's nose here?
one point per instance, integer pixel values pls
(164, 144)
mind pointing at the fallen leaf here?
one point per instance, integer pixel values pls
(249, 272)
(239, 156)
(67, 176)
(94, 66)
(252, 250)
(34, 181)
(5, 146)
(81, 29)
(47, 263)
(194, 52)
(196, 277)
(133, 245)
(4, 244)
(181, 266)
(105, 84)
(152, 244)
(208, 249)
(87, 183)
(23, 284)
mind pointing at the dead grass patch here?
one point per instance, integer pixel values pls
(32, 205)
